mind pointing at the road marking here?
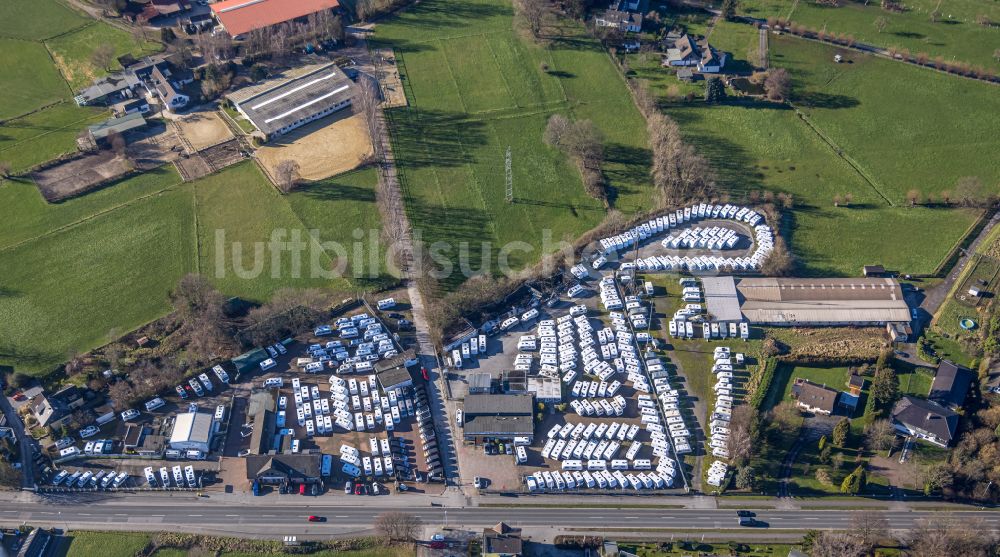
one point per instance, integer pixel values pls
(120, 514)
(630, 518)
(342, 516)
(194, 515)
(263, 515)
(84, 514)
(231, 515)
(161, 515)
(811, 518)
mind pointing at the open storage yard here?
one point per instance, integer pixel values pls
(324, 148)
(203, 129)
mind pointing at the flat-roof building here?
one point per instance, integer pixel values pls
(192, 431)
(721, 300)
(278, 106)
(822, 301)
(498, 416)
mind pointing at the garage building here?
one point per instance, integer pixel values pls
(192, 431)
(306, 94)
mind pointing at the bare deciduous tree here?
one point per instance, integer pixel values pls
(836, 544)
(879, 435)
(869, 527)
(952, 537)
(778, 84)
(679, 173)
(286, 174)
(741, 433)
(5, 169)
(533, 12)
(366, 103)
(103, 55)
(881, 23)
(397, 526)
(583, 142)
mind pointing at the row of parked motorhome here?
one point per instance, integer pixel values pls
(718, 429)
(598, 479)
(474, 347)
(646, 230)
(90, 480)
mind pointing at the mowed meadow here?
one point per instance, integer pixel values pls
(77, 272)
(902, 128)
(477, 85)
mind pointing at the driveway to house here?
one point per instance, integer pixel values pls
(24, 440)
(935, 297)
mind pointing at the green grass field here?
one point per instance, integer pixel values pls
(65, 291)
(833, 377)
(910, 128)
(956, 36)
(107, 544)
(44, 135)
(28, 79)
(475, 87)
(103, 261)
(35, 20)
(72, 51)
(241, 204)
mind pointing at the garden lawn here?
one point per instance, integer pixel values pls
(30, 216)
(956, 36)
(785, 375)
(476, 92)
(916, 382)
(106, 544)
(72, 52)
(907, 127)
(65, 291)
(28, 80)
(35, 20)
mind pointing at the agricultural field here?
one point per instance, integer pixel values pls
(44, 135)
(956, 36)
(64, 291)
(478, 87)
(242, 205)
(35, 20)
(28, 80)
(72, 52)
(756, 145)
(899, 122)
(105, 260)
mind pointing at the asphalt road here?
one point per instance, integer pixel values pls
(204, 516)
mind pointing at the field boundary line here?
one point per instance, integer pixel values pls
(450, 37)
(88, 218)
(842, 154)
(451, 73)
(43, 134)
(503, 78)
(197, 226)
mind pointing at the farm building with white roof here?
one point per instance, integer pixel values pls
(278, 106)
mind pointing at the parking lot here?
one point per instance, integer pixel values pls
(501, 471)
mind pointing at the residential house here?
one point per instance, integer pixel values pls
(502, 541)
(951, 384)
(925, 419)
(166, 83)
(818, 399)
(57, 409)
(284, 469)
(686, 51)
(626, 22)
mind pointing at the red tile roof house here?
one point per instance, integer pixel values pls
(239, 17)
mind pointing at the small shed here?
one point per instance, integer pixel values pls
(975, 292)
(480, 382)
(685, 75)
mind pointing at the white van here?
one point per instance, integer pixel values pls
(385, 304)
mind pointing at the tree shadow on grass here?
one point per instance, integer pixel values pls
(433, 16)
(432, 138)
(330, 190)
(815, 99)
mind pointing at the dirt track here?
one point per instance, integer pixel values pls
(323, 148)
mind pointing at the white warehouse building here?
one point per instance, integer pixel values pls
(192, 431)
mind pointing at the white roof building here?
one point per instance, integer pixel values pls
(192, 430)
